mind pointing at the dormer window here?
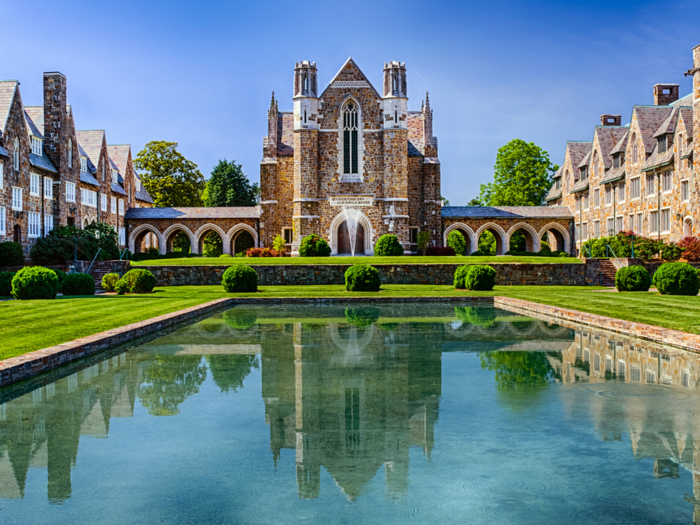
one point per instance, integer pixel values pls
(83, 164)
(662, 144)
(138, 185)
(558, 183)
(36, 145)
(584, 173)
(115, 176)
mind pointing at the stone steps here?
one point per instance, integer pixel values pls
(607, 272)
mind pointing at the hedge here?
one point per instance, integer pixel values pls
(121, 287)
(632, 279)
(34, 282)
(79, 284)
(61, 277)
(240, 279)
(479, 277)
(388, 245)
(676, 278)
(140, 281)
(6, 283)
(11, 254)
(362, 278)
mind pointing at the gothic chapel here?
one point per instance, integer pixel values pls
(350, 148)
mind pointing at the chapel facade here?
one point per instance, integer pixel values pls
(349, 147)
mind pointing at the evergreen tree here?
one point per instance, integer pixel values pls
(228, 186)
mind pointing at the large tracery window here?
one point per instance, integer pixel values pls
(350, 127)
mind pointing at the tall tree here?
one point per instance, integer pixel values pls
(523, 176)
(228, 186)
(169, 177)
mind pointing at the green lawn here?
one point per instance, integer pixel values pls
(31, 325)
(228, 261)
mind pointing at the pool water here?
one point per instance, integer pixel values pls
(426, 413)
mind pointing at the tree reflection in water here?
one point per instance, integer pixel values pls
(229, 371)
(169, 381)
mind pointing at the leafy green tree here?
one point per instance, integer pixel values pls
(445, 202)
(229, 370)
(228, 186)
(523, 176)
(169, 177)
(474, 202)
(487, 243)
(423, 241)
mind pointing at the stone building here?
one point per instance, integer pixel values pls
(640, 176)
(350, 147)
(51, 174)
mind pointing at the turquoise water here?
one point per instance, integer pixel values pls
(417, 413)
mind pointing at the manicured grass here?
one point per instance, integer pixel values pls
(228, 261)
(31, 325)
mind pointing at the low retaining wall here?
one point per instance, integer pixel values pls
(564, 274)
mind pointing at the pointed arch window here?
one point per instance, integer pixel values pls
(15, 154)
(70, 153)
(350, 139)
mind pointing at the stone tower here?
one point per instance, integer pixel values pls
(57, 136)
(432, 216)
(306, 214)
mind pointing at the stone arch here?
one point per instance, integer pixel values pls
(469, 235)
(238, 229)
(688, 226)
(560, 234)
(498, 232)
(201, 233)
(366, 225)
(136, 237)
(166, 237)
(532, 240)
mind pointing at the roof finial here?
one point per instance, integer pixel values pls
(427, 102)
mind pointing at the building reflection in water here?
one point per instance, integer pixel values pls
(350, 391)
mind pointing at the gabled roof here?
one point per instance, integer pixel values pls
(506, 212)
(687, 117)
(141, 194)
(553, 194)
(683, 101)
(586, 160)
(621, 145)
(608, 137)
(614, 175)
(119, 155)
(88, 178)
(36, 119)
(668, 125)
(659, 160)
(649, 119)
(581, 185)
(91, 142)
(42, 162)
(577, 152)
(7, 95)
(559, 172)
(83, 153)
(242, 212)
(339, 73)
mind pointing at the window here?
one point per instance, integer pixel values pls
(122, 236)
(287, 234)
(413, 235)
(350, 136)
(608, 195)
(596, 197)
(103, 202)
(36, 145)
(616, 161)
(621, 369)
(34, 220)
(639, 224)
(83, 164)
(558, 183)
(621, 192)
(3, 221)
(48, 188)
(650, 184)
(596, 229)
(48, 223)
(611, 226)
(636, 374)
(584, 173)
(114, 205)
(653, 222)
(619, 224)
(2, 182)
(666, 181)
(15, 155)
(630, 222)
(685, 190)
(635, 188)
(666, 221)
(138, 185)
(88, 197)
(115, 176)
(70, 153)
(70, 191)
(635, 152)
(585, 202)
(121, 206)
(585, 230)
(661, 141)
(578, 204)
(16, 198)
(103, 172)
(34, 184)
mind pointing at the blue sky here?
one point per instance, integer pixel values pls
(201, 73)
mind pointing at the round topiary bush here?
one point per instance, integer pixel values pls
(109, 281)
(6, 283)
(388, 245)
(457, 242)
(239, 279)
(140, 281)
(314, 246)
(34, 282)
(460, 275)
(362, 278)
(677, 278)
(480, 277)
(11, 254)
(79, 284)
(240, 318)
(632, 279)
(361, 317)
(121, 287)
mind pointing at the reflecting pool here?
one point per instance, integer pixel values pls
(427, 413)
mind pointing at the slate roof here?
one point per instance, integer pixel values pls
(142, 194)
(119, 155)
(42, 162)
(7, 93)
(83, 153)
(553, 194)
(658, 160)
(34, 116)
(684, 101)
(91, 143)
(559, 172)
(668, 125)
(506, 212)
(621, 145)
(614, 175)
(88, 178)
(581, 185)
(586, 160)
(247, 212)
(608, 137)
(649, 119)
(687, 116)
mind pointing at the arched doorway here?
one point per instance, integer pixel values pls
(178, 241)
(468, 250)
(242, 242)
(144, 240)
(490, 242)
(211, 244)
(17, 234)
(556, 237)
(344, 244)
(521, 241)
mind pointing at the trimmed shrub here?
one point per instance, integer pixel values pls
(478, 253)
(61, 277)
(645, 248)
(440, 251)
(314, 246)
(480, 277)
(457, 242)
(240, 279)
(11, 254)
(677, 278)
(121, 287)
(52, 250)
(279, 244)
(140, 281)
(479, 316)
(388, 245)
(79, 284)
(362, 278)
(691, 248)
(6, 283)
(224, 256)
(262, 252)
(109, 281)
(361, 317)
(34, 282)
(671, 252)
(423, 241)
(460, 275)
(240, 318)
(632, 279)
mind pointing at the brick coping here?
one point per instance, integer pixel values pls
(22, 367)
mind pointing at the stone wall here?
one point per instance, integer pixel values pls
(565, 274)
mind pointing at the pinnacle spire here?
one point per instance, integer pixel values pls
(427, 101)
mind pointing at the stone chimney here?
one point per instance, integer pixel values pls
(610, 120)
(55, 119)
(665, 94)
